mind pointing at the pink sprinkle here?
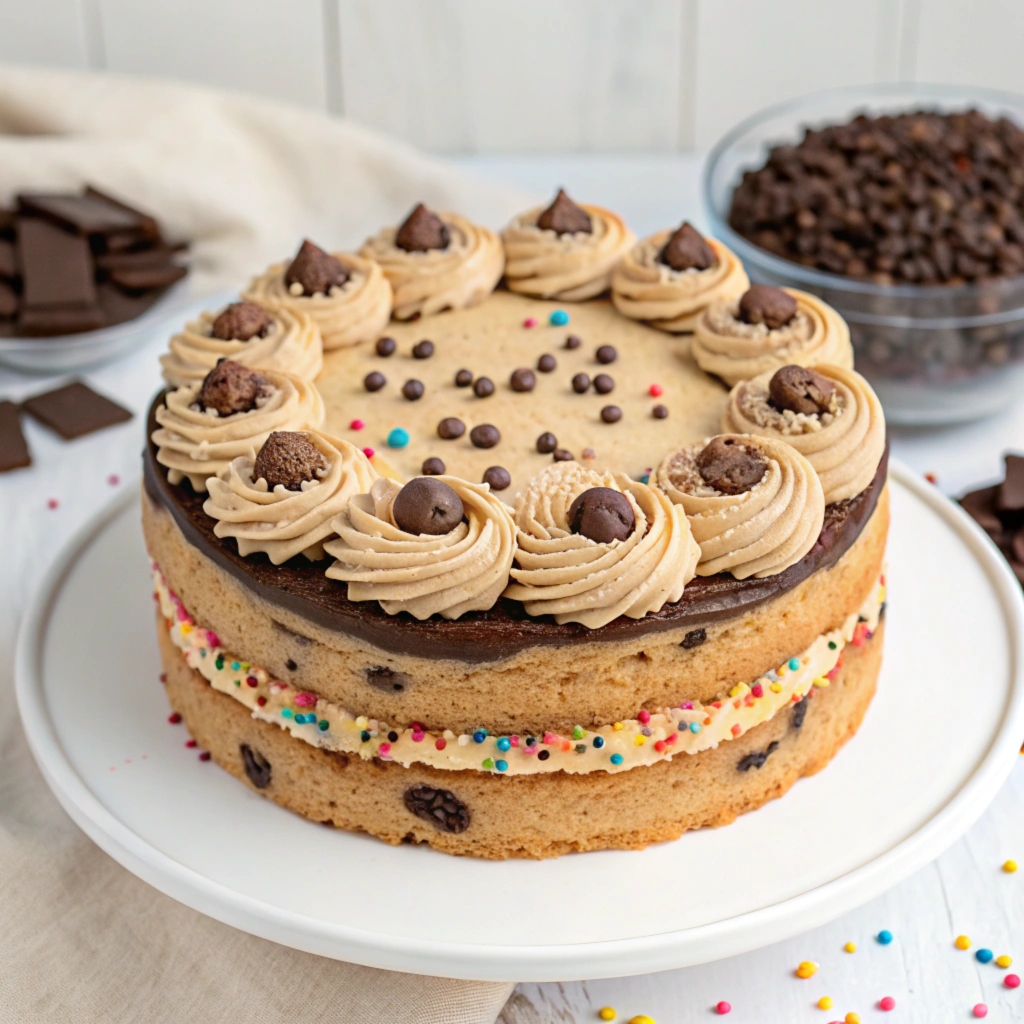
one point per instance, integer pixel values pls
(723, 1007)
(252, 681)
(368, 452)
(356, 425)
(262, 701)
(212, 639)
(531, 749)
(440, 743)
(417, 736)
(204, 755)
(113, 479)
(550, 738)
(644, 716)
(1012, 981)
(51, 503)
(530, 321)
(174, 718)
(384, 750)
(514, 740)
(887, 1003)
(757, 690)
(656, 391)
(671, 738)
(687, 705)
(190, 744)
(305, 700)
(980, 1010)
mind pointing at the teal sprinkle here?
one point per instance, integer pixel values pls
(794, 664)
(300, 719)
(645, 478)
(286, 712)
(501, 765)
(504, 743)
(202, 652)
(398, 438)
(559, 318)
(695, 727)
(364, 736)
(323, 725)
(235, 666)
(616, 759)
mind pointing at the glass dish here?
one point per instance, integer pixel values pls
(935, 354)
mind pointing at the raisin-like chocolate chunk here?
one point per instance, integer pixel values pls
(241, 321)
(380, 677)
(438, 806)
(763, 304)
(730, 466)
(257, 767)
(694, 639)
(799, 713)
(602, 514)
(288, 458)
(231, 388)
(801, 390)
(758, 758)
(426, 505)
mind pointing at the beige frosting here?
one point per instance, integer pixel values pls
(576, 579)
(547, 265)
(292, 344)
(844, 445)
(733, 350)
(760, 532)
(672, 300)
(198, 443)
(458, 572)
(424, 283)
(357, 311)
(283, 523)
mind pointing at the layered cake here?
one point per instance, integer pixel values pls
(579, 547)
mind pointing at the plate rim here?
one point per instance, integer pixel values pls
(564, 962)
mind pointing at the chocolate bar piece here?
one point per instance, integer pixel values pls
(139, 279)
(146, 223)
(75, 410)
(56, 265)
(119, 306)
(1011, 490)
(7, 215)
(8, 301)
(14, 451)
(8, 261)
(50, 321)
(85, 214)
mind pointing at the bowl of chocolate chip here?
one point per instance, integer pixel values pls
(903, 207)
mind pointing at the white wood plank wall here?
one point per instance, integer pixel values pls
(530, 76)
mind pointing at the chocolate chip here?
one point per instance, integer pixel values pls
(523, 379)
(660, 412)
(242, 321)
(611, 414)
(581, 383)
(603, 384)
(602, 514)
(289, 459)
(483, 386)
(547, 443)
(386, 347)
(374, 380)
(564, 217)
(687, 250)
(257, 767)
(606, 354)
(422, 231)
(423, 349)
(450, 428)
(573, 341)
(543, 755)
(801, 390)
(758, 758)
(547, 363)
(730, 466)
(799, 713)
(463, 379)
(412, 390)
(562, 455)
(432, 466)
(438, 806)
(694, 639)
(427, 506)
(498, 477)
(291, 664)
(381, 677)
(231, 388)
(315, 271)
(762, 304)
(485, 435)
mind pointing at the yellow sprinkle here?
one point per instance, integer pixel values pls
(775, 687)
(618, 727)
(962, 942)
(822, 681)
(607, 1013)
(641, 1018)
(825, 1003)
(782, 670)
(362, 721)
(185, 629)
(850, 947)
(1010, 866)
(639, 740)
(807, 969)
(852, 1018)
(1004, 961)
(736, 690)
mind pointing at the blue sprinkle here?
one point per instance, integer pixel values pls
(300, 719)
(984, 956)
(616, 759)
(559, 318)
(646, 731)
(235, 665)
(501, 765)
(794, 664)
(695, 727)
(479, 736)
(599, 742)
(645, 478)
(504, 743)
(364, 736)
(286, 712)
(398, 438)
(885, 937)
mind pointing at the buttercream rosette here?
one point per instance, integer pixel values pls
(461, 274)
(576, 579)
(347, 315)
(451, 574)
(569, 267)
(279, 522)
(292, 344)
(726, 346)
(196, 443)
(759, 532)
(844, 444)
(644, 288)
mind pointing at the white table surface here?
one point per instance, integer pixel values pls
(965, 891)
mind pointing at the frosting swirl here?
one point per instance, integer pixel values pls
(462, 274)
(197, 443)
(759, 532)
(283, 523)
(451, 574)
(576, 579)
(733, 350)
(644, 288)
(292, 345)
(844, 446)
(570, 267)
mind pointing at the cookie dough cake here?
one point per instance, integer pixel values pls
(581, 549)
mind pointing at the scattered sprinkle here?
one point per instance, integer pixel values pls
(52, 503)
(398, 438)
(191, 744)
(1009, 866)
(984, 956)
(174, 718)
(1004, 961)
(806, 969)
(530, 321)
(559, 318)
(852, 1018)
(369, 452)
(980, 1010)
(113, 479)
(931, 478)
(655, 391)
(962, 942)
(723, 1007)
(607, 1013)
(356, 425)
(616, 759)
(887, 1003)
(641, 1018)
(204, 755)
(1012, 981)
(850, 947)
(825, 1003)
(884, 936)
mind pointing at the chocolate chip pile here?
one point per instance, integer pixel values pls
(999, 511)
(918, 198)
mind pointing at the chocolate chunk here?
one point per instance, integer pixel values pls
(386, 347)
(498, 477)
(75, 410)
(8, 301)
(146, 223)
(564, 217)
(450, 428)
(231, 388)
(980, 505)
(687, 250)
(1011, 491)
(523, 379)
(14, 451)
(157, 255)
(660, 412)
(381, 677)
(801, 390)
(56, 266)
(89, 214)
(438, 806)
(611, 414)
(463, 378)
(606, 354)
(581, 383)
(602, 514)
(432, 466)
(375, 380)
(423, 349)
(140, 279)
(573, 341)
(483, 386)
(799, 713)
(485, 435)
(8, 261)
(291, 664)
(694, 638)
(1017, 548)
(51, 321)
(546, 363)
(562, 455)
(603, 384)
(762, 304)
(288, 459)
(412, 390)
(547, 443)
(427, 506)
(758, 758)
(422, 231)
(117, 305)
(257, 767)
(730, 466)
(242, 321)
(315, 271)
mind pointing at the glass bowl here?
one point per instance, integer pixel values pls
(935, 354)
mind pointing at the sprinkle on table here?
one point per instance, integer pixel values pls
(1009, 866)
(852, 1018)
(825, 1003)
(962, 942)
(887, 1003)
(113, 479)
(850, 947)
(806, 969)
(52, 503)
(1004, 961)
(607, 1013)
(723, 1007)
(884, 936)
(980, 1010)
(984, 956)
(1012, 981)
(641, 1018)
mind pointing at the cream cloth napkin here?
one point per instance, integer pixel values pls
(81, 939)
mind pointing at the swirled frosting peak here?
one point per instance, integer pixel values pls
(755, 504)
(428, 277)
(576, 579)
(843, 441)
(735, 349)
(284, 522)
(460, 570)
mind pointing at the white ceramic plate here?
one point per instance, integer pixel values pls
(938, 741)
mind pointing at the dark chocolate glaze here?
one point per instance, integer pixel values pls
(301, 587)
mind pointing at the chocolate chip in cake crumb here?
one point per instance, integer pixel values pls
(485, 435)
(438, 806)
(799, 713)
(231, 388)
(611, 414)
(423, 349)
(729, 466)
(763, 304)
(291, 664)
(603, 384)
(463, 378)
(801, 390)
(547, 443)
(694, 638)
(660, 412)
(257, 767)
(241, 321)
(602, 514)
(546, 363)
(450, 428)
(606, 354)
(573, 341)
(314, 271)
(432, 466)
(483, 386)
(381, 677)
(412, 390)
(288, 459)
(687, 249)
(523, 379)
(374, 380)
(386, 347)
(564, 217)
(427, 506)
(758, 758)
(422, 231)
(498, 477)
(562, 455)
(581, 383)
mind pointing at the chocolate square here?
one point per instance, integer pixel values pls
(83, 215)
(145, 223)
(14, 451)
(118, 306)
(56, 266)
(1011, 490)
(75, 410)
(140, 279)
(53, 321)
(8, 261)
(980, 505)
(8, 301)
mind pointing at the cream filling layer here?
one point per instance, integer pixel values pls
(650, 737)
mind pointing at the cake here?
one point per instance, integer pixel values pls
(582, 549)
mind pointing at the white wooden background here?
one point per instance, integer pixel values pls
(540, 76)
